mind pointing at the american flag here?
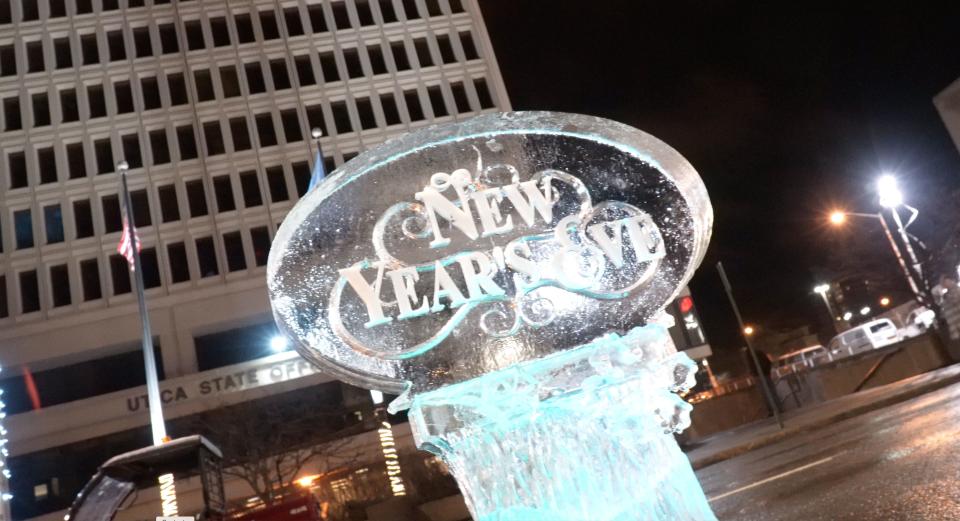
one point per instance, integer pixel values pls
(125, 247)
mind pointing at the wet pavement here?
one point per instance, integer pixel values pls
(898, 463)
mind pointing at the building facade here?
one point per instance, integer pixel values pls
(212, 104)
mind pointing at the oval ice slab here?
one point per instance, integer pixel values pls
(465, 248)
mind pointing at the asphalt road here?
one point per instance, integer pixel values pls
(898, 463)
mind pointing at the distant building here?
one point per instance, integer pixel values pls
(211, 103)
(948, 105)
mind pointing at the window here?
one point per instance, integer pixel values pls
(315, 118)
(194, 35)
(29, 291)
(340, 15)
(61, 51)
(278, 69)
(8, 61)
(261, 244)
(168, 39)
(41, 110)
(399, 51)
(469, 50)
(84, 7)
(387, 12)
(124, 97)
(433, 8)
(76, 161)
(363, 12)
(377, 65)
(90, 279)
(268, 24)
(255, 82)
(201, 78)
(341, 118)
(104, 152)
(141, 42)
(119, 274)
(328, 65)
(88, 47)
(223, 193)
(291, 16)
(47, 165)
(60, 285)
(23, 228)
(111, 213)
(83, 218)
(413, 105)
(233, 247)
(390, 112)
(460, 97)
(244, 28)
(115, 46)
(112, 5)
(301, 176)
(365, 112)
(69, 108)
(207, 257)
(250, 186)
(218, 28)
(177, 256)
(277, 184)
(291, 125)
(456, 6)
(186, 142)
(4, 309)
(35, 56)
(305, 74)
(53, 223)
(213, 137)
(11, 114)
(437, 102)
(96, 101)
(178, 89)
(483, 93)
(5, 16)
(352, 59)
(423, 52)
(265, 130)
(230, 81)
(240, 134)
(169, 209)
(196, 198)
(150, 267)
(29, 10)
(131, 150)
(410, 9)
(446, 49)
(317, 21)
(151, 93)
(17, 165)
(140, 204)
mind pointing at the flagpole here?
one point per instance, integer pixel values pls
(150, 366)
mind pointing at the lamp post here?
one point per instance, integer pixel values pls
(891, 198)
(822, 290)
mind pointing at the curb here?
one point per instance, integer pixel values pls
(770, 439)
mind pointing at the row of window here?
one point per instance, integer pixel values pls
(32, 10)
(233, 134)
(244, 189)
(179, 256)
(170, 89)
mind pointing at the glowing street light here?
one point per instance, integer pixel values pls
(822, 290)
(865, 310)
(748, 330)
(889, 192)
(885, 301)
(847, 316)
(838, 217)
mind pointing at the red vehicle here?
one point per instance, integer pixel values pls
(302, 507)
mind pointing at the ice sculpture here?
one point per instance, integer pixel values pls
(506, 275)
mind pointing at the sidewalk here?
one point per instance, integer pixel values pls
(731, 443)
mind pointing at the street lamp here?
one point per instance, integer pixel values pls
(748, 330)
(847, 316)
(865, 310)
(884, 301)
(822, 289)
(891, 198)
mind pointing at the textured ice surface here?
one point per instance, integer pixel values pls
(374, 217)
(583, 435)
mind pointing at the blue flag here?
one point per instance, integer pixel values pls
(318, 172)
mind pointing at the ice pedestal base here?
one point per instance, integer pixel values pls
(583, 435)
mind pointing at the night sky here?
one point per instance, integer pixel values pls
(786, 109)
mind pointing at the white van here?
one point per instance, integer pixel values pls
(805, 358)
(865, 337)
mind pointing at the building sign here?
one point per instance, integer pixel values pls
(278, 368)
(462, 249)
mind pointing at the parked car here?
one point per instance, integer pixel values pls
(918, 322)
(865, 337)
(794, 361)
